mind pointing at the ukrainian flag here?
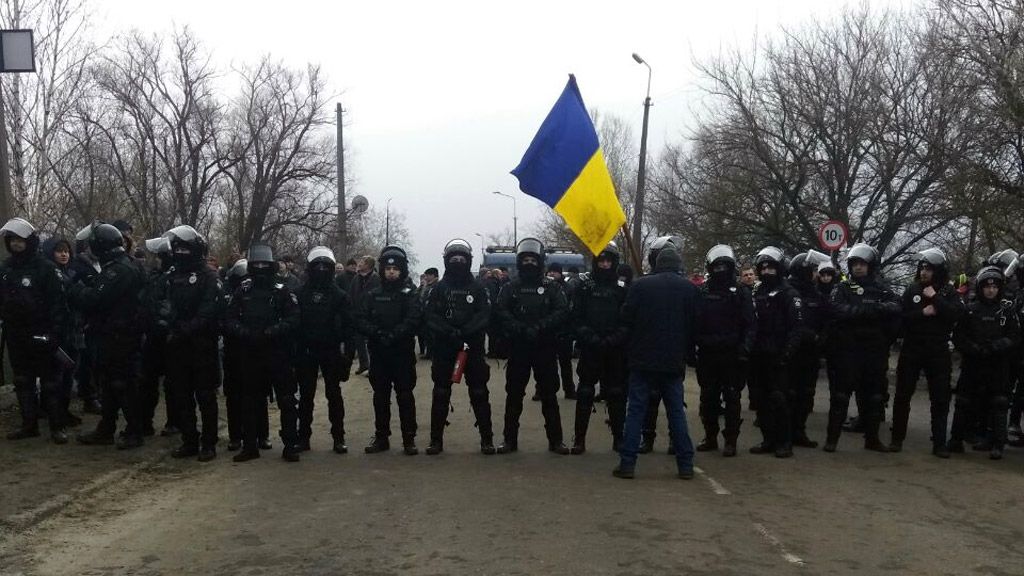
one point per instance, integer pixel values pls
(564, 168)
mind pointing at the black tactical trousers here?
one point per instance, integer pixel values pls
(31, 360)
(193, 381)
(609, 368)
(983, 394)
(721, 377)
(542, 360)
(863, 370)
(770, 386)
(937, 366)
(392, 369)
(335, 367)
(476, 375)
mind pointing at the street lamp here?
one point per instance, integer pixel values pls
(481, 236)
(387, 223)
(638, 205)
(515, 217)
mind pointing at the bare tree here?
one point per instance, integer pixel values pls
(281, 160)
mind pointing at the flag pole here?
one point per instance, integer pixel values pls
(634, 255)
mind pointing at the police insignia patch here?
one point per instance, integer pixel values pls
(26, 282)
(540, 290)
(469, 298)
(192, 279)
(860, 291)
(917, 298)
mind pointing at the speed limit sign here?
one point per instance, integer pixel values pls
(832, 235)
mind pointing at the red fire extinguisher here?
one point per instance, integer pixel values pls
(460, 366)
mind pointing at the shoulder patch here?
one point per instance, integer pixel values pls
(621, 283)
(295, 299)
(246, 285)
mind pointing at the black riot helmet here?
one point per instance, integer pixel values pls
(458, 247)
(260, 262)
(1016, 268)
(320, 264)
(238, 272)
(803, 266)
(865, 253)
(530, 247)
(720, 255)
(936, 260)
(770, 255)
(21, 228)
(660, 243)
(610, 254)
(105, 242)
(1002, 259)
(394, 256)
(188, 247)
(990, 275)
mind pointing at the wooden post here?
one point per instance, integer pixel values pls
(634, 255)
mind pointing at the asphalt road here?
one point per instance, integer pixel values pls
(85, 510)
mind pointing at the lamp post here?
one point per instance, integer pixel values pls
(515, 217)
(638, 205)
(481, 237)
(387, 223)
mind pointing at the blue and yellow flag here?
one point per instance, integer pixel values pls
(564, 168)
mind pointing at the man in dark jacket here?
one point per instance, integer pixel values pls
(457, 313)
(661, 313)
(83, 268)
(262, 317)
(931, 308)
(987, 337)
(111, 304)
(189, 314)
(531, 310)
(779, 332)
(597, 317)
(725, 334)
(366, 279)
(389, 316)
(867, 316)
(35, 319)
(325, 325)
(806, 363)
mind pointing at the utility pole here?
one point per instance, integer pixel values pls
(641, 176)
(6, 205)
(342, 240)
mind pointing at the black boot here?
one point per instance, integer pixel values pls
(558, 448)
(247, 454)
(291, 453)
(207, 453)
(339, 445)
(97, 437)
(583, 412)
(92, 406)
(380, 443)
(185, 451)
(435, 447)
(710, 441)
(22, 433)
(409, 446)
(487, 445)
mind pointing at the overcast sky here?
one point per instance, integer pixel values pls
(443, 97)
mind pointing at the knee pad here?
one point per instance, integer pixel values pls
(1000, 402)
(478, 394)
(442, 394)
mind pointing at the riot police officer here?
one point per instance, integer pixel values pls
(725, 335)
(154, 345)
(779, 311)
(325, 325)
(531, 309)
(389, 317)
(867, 315)
(234, 356)
(35, 315)
(262, 316)
(457, 312)
(987, 338)
(931, 307)
(111, 304)
(190, 313)
(601, 336)
(806, 363)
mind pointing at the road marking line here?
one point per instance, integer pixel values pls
(715, 485)
(777, 544)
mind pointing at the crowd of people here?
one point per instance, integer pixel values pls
(92, 315)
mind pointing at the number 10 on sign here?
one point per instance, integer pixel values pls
(832, 235)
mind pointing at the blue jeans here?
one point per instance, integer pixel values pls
(671, 386)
